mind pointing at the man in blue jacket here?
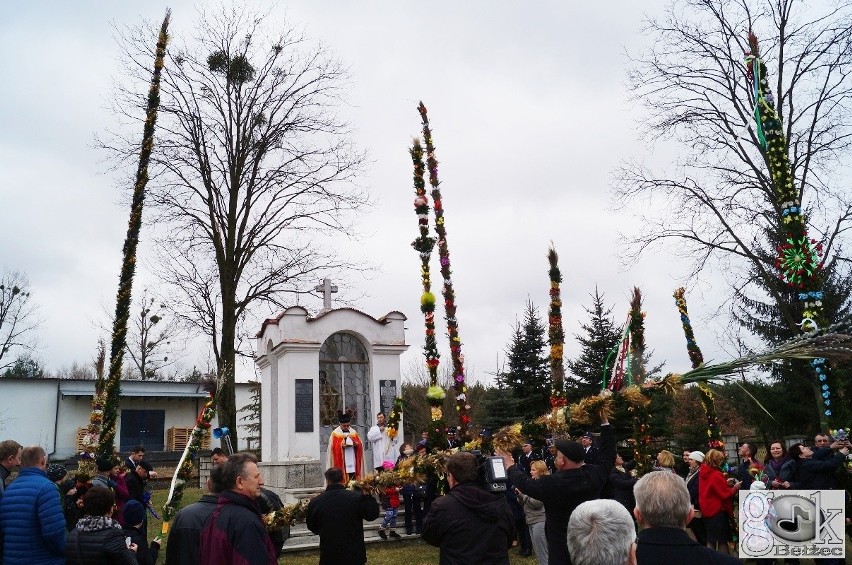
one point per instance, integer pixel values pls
(31, 516)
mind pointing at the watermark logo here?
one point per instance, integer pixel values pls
(792, 523)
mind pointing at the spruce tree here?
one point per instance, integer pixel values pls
(500, 407)
(600, 337)
(795, 379)
(528, 375)
(252, 412)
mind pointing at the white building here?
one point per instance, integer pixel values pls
(49, 412)
(313, 366)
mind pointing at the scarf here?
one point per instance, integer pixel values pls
(96, 523)
(692, 473)
(777, 464)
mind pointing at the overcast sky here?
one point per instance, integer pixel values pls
(529, 113)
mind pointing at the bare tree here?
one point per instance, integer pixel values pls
(155, 336)
(722, 204)
(716, 205)
(18, 317)
(251, 168)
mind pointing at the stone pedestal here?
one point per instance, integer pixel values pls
(293, 480)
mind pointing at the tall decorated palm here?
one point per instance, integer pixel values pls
(638, 374)
(424, 244)
(799, 262)
(456, 356)
(112, 390)
(556, 339)
(714, 434)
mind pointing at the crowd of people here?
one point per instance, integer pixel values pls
(579, 503)
(48, 517)
(573, 503)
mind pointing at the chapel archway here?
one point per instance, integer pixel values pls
(344, 383)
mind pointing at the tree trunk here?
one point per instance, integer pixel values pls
(225, 365)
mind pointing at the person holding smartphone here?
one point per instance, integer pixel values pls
(98, 539)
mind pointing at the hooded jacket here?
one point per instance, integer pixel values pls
(714, 494)
(470, 525)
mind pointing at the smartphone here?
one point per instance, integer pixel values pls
(127, 541)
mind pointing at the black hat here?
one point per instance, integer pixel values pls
(134, 513)
(344, 417)
(571, 449)
(104, 464)
(56, 472)
(145, 465)
(451, 430)
(587, 434)
(526, 442)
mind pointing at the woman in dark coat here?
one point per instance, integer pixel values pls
(622, 484)
(97, 539)
(813, 469)
(775, 462)
(696, 525)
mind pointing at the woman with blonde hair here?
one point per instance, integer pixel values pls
(665, 461)
(715, 498)
(534, 513)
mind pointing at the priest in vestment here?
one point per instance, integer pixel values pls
(345, 450)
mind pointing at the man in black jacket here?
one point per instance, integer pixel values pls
(591, 453)
(337, 517)
(746, 452)
(573, 483)
(185, 531)
(527, 456)
(469, 524)
(663, 510)
(136, 479)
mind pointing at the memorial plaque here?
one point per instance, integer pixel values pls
(304, 405)
(387, 394)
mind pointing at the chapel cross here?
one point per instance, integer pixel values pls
(326, 288)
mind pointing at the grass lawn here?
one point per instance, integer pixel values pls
(158, 498)
(391, 553)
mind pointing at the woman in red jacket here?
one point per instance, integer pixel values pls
(715, 497)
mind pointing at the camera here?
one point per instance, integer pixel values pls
(492, 472)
